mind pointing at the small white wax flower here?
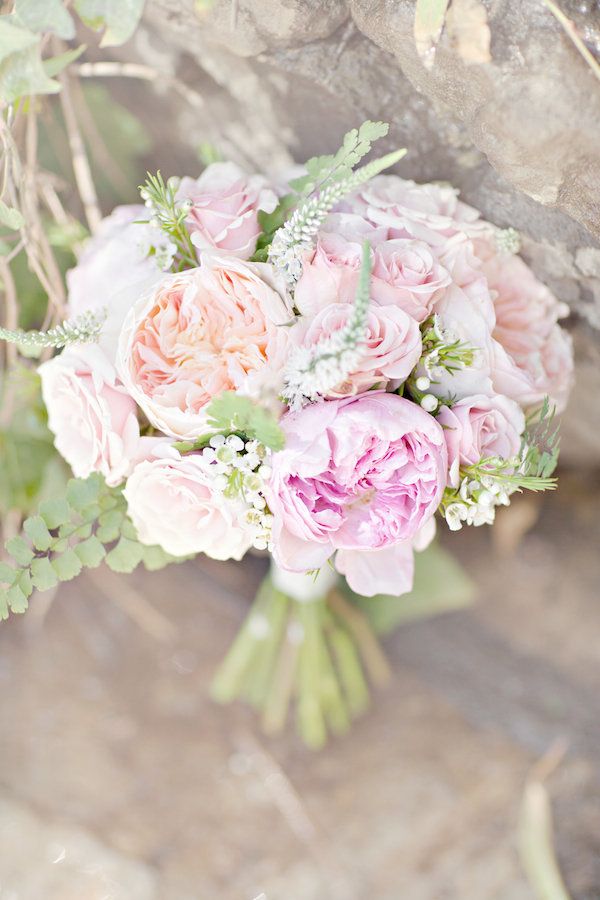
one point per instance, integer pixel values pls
(422, 383)
(217, 440)
(235, 442)
(429, 403)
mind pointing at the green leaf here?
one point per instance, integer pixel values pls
(155, 558)
(36, 529)
(19, 550)
(82, 492)
(440, 585)
(67, 566)
(55, 512)
(3, 604)
(7, 573)
(43, 575)
(17, 599)
(119, 18)
(327, 169)
(91, 552)
(25, 583)
(231, 412)
(13, 39)
(125, 556)
(110, 525)
(56, 64)
(429, 21)
(45, 15)
(10, 217)
(21, 69)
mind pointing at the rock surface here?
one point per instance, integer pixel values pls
(519, 135)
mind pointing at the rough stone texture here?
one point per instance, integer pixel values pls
(520, 136)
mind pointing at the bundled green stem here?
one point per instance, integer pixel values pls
(316, 652)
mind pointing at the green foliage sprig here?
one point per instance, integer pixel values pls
(313, 372)
(286, 237)
(84, 329)
(169, 214)
(231, 413)
(541, 442)
(80, 530)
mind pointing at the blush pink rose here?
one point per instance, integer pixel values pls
(198, 333)
(91, 415)
(405, 274)
(362, 475)
(428, 212)
(535, 356)
(225, 204)
(389, 352)
(329, 274)
(478, 427)
(172, 502)
(116, 269)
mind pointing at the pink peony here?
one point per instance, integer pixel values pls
(478, 427)
(535, 357)
(390, 351)
(92, 417)
(198, 333)
(172, 502)
(225, 204)
(360, 476)
(115, 270)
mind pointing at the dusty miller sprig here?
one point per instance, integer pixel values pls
(298, 234)
(313, 372)
(84, 329)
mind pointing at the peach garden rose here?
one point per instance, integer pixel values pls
(214, 328)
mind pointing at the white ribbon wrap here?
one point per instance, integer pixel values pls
(303, 586)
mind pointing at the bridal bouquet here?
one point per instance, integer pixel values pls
(319, 368)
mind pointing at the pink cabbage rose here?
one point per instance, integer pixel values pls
(538, 354)
(116, 269)
(225, 204)
(172, 502)
(91, 415)
(480, 426)
(360, 476)
(198, 333)
(390, 351)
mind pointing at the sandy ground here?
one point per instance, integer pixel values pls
(120, 780)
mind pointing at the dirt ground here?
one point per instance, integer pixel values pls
(120, 780)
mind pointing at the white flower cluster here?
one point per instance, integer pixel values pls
(313, 372)
(240, 470)
(478, 501)
(153, 241)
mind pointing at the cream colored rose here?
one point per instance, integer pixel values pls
(90, 414)
(172, 502)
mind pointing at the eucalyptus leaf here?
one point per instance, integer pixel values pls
(118, 18)
(45, 15)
